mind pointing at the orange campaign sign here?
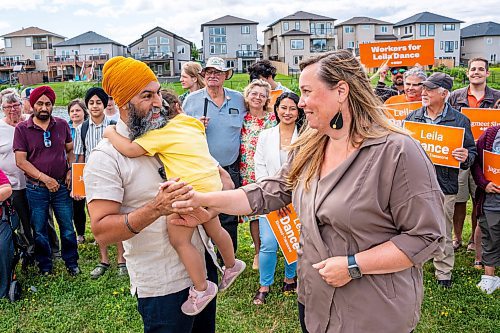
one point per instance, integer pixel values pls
(77, 185)
(274, 96)
(438, 141)
(286, 230)
(481, 119)
(399, 111)
(491, 166)
(399, 53)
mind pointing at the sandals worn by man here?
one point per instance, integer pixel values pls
(99, 270)
(457, 244)
(260, 297)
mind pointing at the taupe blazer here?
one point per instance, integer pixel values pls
(385, 191)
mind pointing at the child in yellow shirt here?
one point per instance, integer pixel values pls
(183, 149)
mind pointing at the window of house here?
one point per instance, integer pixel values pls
(423, 29)
(318, 45)
(441, 45)
(164, 49)
(456, 45)
(27, 41)
(37, 56)
(489, 41)
(411, 29)
(406, 30)
(181, 49)
(245, 29)
(246, 47)
(230, 63)
(311, 28)
(297, 59)
(152, 41)
(217, 30)
(493, 58)
(217, 39)
(164, 40)
(448, 27)
(384, 29)
(297, 44)
(448, 46)
(350, 45)
(348, 29)
(462, 42)
(285, 26)
(141, 51)
(152, 49)
(8, 42)
(218, 49)
(431, 28)
(297, 25)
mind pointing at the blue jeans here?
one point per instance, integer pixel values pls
(268, 256)
(163, 314)
(39, 199)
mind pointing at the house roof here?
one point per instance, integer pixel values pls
(426, 17)
(294, 32)
(363, 20)
(480, 29)
(86, 38)
(385, 37)
(228, 20)
(300, 15)
(165, 31)
(31, 31)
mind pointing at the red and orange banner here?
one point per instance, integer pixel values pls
(399, 111)
(77, 184)
(491, 166)
(399, 53)
(438, 141)
(286, 230)
(481, 119)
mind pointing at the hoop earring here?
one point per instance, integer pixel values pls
(337, 121)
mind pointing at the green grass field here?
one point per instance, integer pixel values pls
(65, 304)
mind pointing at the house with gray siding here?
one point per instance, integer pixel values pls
(233, 39)
(444, 30)
(361, 30)
(296, 36)
(481, 40)
(163, 51)
(82, 57)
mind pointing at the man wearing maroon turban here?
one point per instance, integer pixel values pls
(44, 151)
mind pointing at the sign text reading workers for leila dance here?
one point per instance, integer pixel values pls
(401, 53)
(438, 141)
(481, 119)
(491, 166)
(286, 230)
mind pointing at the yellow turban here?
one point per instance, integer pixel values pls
(123, 78)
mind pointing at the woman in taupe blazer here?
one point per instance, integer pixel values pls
(368, 199)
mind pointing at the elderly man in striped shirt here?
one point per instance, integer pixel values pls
(87, 136)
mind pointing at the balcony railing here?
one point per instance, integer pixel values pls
(248, 54)
(8, 63)
(152, 56)
(322, 49)
(77, 58)
(324, 32)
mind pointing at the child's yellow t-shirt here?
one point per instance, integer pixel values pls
(182, 147)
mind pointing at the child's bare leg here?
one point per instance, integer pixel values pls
(222, 239)
(180, 238)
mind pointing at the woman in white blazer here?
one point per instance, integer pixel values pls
(270, 154)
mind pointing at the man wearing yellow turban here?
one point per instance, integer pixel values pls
(125, 205)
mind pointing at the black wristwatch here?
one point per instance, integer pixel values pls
(353, 268)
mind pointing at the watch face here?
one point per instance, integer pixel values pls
(355, 273)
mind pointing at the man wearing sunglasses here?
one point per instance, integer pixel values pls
(44, 151)
(397, 87)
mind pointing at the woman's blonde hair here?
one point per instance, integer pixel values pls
(193, 69)
(258, 83)
(368, 116)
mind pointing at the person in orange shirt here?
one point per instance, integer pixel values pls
(413, 79)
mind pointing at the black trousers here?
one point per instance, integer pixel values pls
(230, 222)
(23, 214)
(79, 217)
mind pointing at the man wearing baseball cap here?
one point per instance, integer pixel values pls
(437, 110)
(222, 110)
(44, 151)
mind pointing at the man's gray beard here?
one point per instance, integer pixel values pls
(139, 125)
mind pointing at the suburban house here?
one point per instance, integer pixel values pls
(295, 36)
(27, 50)
(82, 57)
(362, 30)
(233, 39)
(444, 30)
(481, 40)
(163, 51)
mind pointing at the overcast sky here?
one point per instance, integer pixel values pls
(126, 20)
